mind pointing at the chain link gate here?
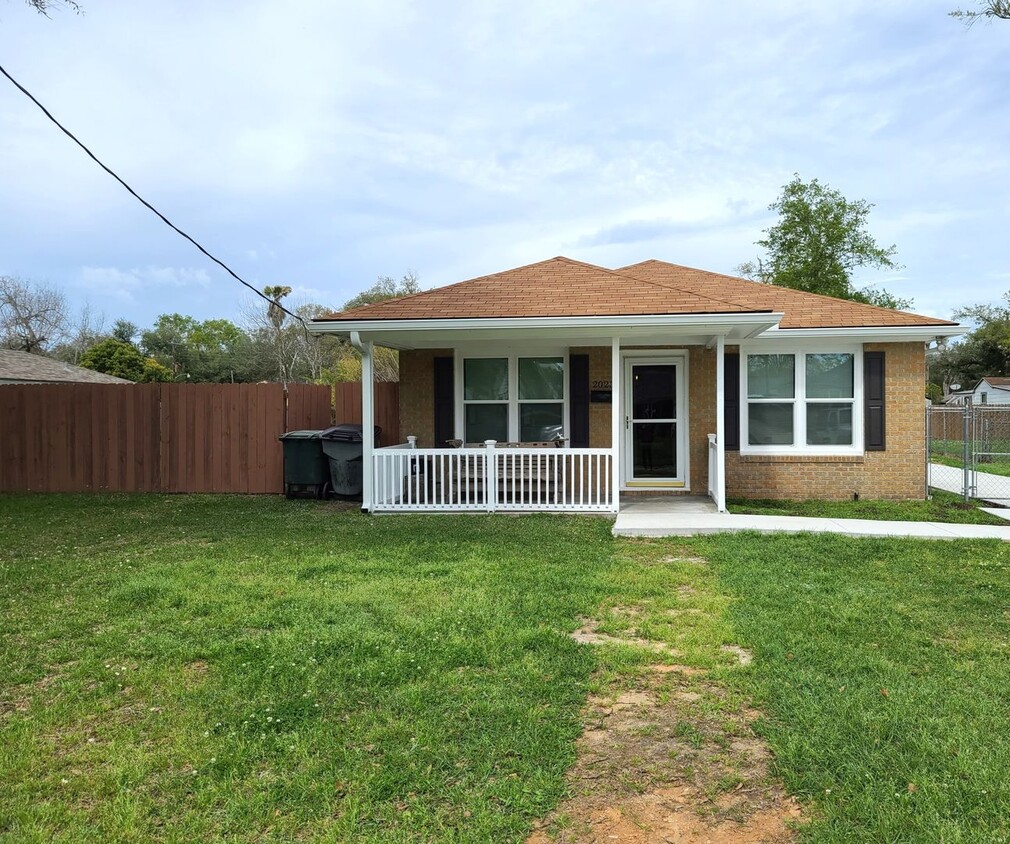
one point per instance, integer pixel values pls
(968, 450)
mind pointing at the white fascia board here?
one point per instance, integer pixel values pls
(879, 333)
(748, 323)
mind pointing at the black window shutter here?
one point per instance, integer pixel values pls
(578, 400)
(445, 409)
(873, 399)
(731, 401)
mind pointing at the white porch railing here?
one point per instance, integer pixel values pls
(713, 469)
(492, 479)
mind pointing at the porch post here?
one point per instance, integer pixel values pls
(616, 414)
(720, 424)
(367, 424)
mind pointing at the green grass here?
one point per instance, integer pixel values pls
(993, 468)
(941, 507)
(883, 667)
(251, 669)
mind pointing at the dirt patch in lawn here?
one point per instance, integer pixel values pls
(587, 634)
(665, 762)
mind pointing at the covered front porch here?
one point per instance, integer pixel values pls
(554, 418)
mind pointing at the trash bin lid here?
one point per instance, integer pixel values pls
(301, 435)
(347, 432)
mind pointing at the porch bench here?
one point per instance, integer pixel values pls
(525, 477)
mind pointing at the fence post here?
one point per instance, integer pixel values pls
(491, 475)
(966, 452)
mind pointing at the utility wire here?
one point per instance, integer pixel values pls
(147, 204)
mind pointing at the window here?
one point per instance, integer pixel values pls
(541, 399)
(985, 398)
(485, 399)
(801, 401)
(513, 398)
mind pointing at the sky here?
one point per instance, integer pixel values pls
(323, 144)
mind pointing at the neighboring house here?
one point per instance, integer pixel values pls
(989, 390)
(26, 368)
(655, 377)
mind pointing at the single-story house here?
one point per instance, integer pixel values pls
(27, 368)
(562, 386)
(991, 389)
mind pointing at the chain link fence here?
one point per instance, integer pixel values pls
(969, 451)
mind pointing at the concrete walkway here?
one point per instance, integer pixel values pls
(675, 523)
(988, 487)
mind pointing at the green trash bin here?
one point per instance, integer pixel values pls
(306, 471)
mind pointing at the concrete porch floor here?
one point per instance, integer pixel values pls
(666, 505)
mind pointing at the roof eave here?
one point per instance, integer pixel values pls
(398, 332)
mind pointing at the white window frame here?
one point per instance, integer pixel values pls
(512, 354)
(800, 400)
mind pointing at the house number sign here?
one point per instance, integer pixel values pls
(600, 391)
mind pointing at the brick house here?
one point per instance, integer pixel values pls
(562, 386)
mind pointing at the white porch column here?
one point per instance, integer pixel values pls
(367, 424)
(616, 420)
(720, 423)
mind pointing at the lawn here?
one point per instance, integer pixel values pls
(940, 507)
(250, 669)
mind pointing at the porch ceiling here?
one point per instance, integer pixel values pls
(571, 331)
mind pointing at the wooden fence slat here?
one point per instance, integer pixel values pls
(167, 437)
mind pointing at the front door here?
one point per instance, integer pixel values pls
(654, 423)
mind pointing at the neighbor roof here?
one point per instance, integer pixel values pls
(25, 368)
(561, 287)
(997, 381)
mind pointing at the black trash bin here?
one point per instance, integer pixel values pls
(343, 447)
(306, 473)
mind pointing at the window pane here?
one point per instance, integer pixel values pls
(541, 378)
(771, 376)
(486, 422)
(486, 379)
(655, 449)
(540, 422)
(770, 423)
(829, 423)
(654, 391)
(829, 376)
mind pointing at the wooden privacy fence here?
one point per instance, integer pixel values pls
(166, 437)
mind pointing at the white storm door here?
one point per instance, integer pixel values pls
(655, 424)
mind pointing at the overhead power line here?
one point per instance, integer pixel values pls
(145, 203)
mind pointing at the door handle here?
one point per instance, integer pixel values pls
(626, 420)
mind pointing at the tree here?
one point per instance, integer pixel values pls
(385, 287)
(80, 336)
(124, 360)
(214, 350)
(43, 7)
(33, 316)
(819, 240)
(984, 350)
(990, 10)
(385, 362)
(123, 329)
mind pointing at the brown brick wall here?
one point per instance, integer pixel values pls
(417, 395)
(897, 472)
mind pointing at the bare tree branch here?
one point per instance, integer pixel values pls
(990, 9)
(44, 6)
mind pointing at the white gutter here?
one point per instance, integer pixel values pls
(601, 323)
(894, 333)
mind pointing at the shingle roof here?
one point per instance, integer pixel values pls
(22, 367)
(997, 381)
(563, 287)
(801, 309)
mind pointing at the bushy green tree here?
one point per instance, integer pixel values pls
(214, 350)
(821, 238)
(984, 350)
(124, 360)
